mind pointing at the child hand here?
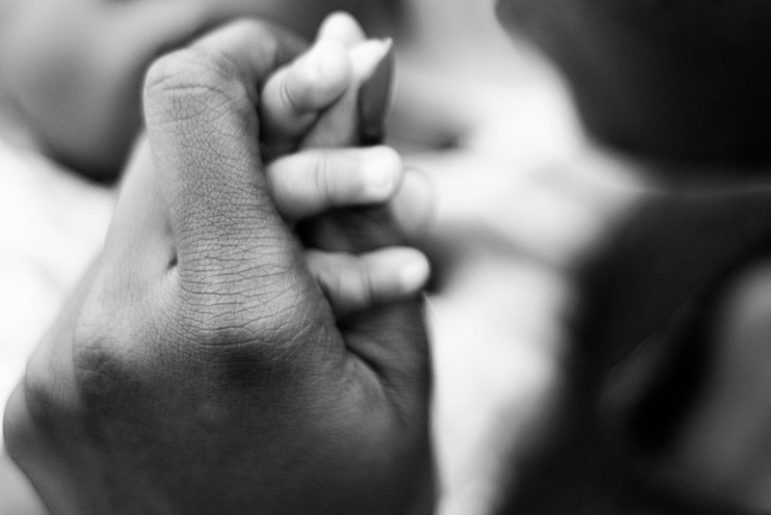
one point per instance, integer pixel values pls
(313, 103)
(307, 184)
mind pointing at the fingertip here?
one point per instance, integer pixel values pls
(382, 173)
(342, 27)
(413, 272)
(396, 272)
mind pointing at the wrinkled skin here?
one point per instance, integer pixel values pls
(73, 69)
(199, 368)
(682, 80)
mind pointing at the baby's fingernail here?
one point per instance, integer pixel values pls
(413, 273)
(381, 172)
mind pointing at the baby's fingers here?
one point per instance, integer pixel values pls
(310, 182)
(354, 283)
(294, 96)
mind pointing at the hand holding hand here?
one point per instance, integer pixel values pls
(199, 368)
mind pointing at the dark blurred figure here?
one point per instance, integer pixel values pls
(665, 409)
(672, 79)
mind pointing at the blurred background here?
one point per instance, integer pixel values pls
(522, 195)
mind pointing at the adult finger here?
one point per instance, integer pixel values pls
(203, 130)
(310, 182)
(139, 232)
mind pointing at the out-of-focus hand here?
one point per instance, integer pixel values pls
(199, 368)
(73, 69)
(522, 202)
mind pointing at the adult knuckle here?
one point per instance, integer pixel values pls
(192, 82)
(244, 337)
(107, 367)
(41, 409)
(32, 422)
(116, 339)
(53, 399)
(215, 320)
(229, 310)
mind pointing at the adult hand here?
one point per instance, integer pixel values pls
(199, 368)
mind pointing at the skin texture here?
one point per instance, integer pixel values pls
(221, 353)
(681, 80)
(72, 69)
